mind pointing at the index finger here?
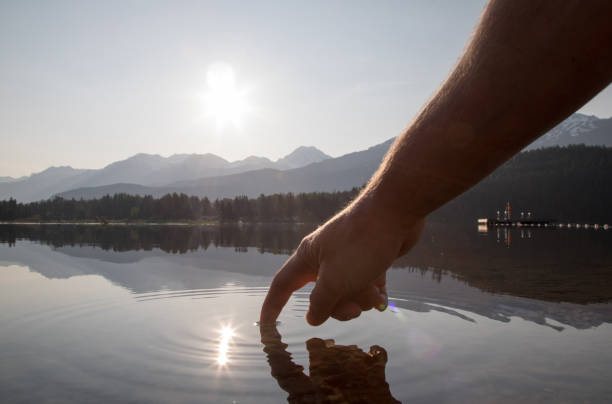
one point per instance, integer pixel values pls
(293, 275)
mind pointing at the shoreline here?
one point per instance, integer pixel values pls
(144, 223)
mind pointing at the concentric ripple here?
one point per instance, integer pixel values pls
(87, 340)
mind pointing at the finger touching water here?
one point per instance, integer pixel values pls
(293, 275)
(347, 258)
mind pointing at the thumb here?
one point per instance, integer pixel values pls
(323, 298)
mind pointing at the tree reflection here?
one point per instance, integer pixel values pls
(544, 264)
(273, 238)
(338, 374)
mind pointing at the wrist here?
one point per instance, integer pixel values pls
(383, 212)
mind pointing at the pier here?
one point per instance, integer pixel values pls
(517, 223)
(504, 219)
(484, 223)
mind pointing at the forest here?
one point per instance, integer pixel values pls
(305, 207)
(571, 184)
(567, 184)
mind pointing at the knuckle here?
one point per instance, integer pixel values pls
(303, 249)
(306, 252)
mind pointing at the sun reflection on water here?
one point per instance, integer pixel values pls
(227, 333)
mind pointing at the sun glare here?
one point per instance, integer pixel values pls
(227, 333)
(224, 102)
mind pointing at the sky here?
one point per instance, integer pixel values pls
(86, 83)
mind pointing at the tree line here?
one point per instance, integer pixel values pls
(567, 184)
(304, 207)
(571, 184)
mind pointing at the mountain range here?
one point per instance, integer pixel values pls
(307, 169)
(147, 170)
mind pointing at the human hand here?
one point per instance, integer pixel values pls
(348, 258)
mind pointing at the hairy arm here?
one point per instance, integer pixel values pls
(528, 65)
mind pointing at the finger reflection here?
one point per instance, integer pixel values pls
(338, 373)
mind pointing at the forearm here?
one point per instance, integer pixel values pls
(528, 66)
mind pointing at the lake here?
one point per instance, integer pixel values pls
(168, 314)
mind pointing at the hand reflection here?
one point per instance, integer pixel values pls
(338, 374)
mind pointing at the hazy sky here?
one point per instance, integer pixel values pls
(85, 83)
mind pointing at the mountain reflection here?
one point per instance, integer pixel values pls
(555, 265)
(337, 373)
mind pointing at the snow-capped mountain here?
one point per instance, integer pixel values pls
(575, 125)
(577, 129)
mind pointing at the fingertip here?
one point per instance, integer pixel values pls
(315, 320)
(383, 302)
(269, 312)
(322, 302)
(346, 310)
(382, 307)
(368, 298)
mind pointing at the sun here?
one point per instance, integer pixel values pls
(224, 102)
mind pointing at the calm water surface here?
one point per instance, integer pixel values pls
(166, 314)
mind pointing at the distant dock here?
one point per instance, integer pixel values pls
(517, 223)
(504, 219)
(483, 223)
